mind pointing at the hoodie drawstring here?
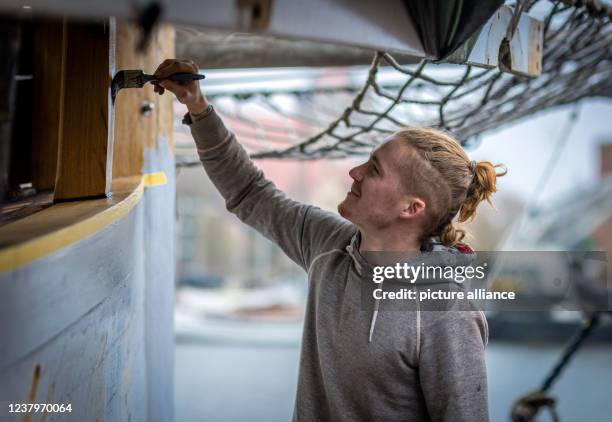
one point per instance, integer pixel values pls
(374, 316)
(351, 253)
(359, 269)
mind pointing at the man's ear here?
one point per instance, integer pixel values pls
(413, 207)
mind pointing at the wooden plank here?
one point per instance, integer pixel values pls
(211, 49)
(135, 131)
(60, 224)
(18, 209)
(360, 23)
(48, 55)
(130, 128)
(84, 167)
(20, 171)
(166, 49)
(9, 45)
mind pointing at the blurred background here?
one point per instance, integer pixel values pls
(240, 301)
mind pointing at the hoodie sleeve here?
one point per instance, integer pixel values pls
(300, 230)
(452, 366)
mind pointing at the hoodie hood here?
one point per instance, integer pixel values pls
(432, 253)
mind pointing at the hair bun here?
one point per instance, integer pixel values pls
(483, 186)
(450, 235)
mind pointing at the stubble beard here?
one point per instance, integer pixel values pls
(343, 209)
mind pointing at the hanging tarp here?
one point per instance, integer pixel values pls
(444, 25)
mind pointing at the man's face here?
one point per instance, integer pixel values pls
(376, 196)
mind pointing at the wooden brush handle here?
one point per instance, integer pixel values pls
(185, 77)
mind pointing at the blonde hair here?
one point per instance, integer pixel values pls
(449, 182)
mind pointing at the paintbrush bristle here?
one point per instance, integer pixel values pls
(126, 79)
(132, 79)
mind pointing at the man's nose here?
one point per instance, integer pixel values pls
(356, 173)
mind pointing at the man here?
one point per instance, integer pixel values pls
(355, 364)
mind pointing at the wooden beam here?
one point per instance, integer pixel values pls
(84, 167)
(131, 129)
(135, 130)
(48, 55)
(212, 49)
(165, 104)
(373, 25)
(9, 45)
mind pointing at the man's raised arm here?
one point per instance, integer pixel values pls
(300, 230)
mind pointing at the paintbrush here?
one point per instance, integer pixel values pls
(137, 79)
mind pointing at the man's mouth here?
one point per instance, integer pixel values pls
(355, 192)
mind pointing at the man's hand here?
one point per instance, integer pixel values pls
(188, 93)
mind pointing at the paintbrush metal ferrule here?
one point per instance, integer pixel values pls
(128, 79)
(137, 79)
(133, 79)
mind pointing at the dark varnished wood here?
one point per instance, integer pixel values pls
(84, 163)
(9, 43)
(48, 56)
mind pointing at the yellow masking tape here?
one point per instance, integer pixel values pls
(154, 179)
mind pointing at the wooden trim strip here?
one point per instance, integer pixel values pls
(13, 257)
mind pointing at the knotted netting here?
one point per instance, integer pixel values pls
(462, 99)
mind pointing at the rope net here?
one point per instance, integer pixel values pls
(461, 99)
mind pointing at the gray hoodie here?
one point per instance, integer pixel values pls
(357, 362)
